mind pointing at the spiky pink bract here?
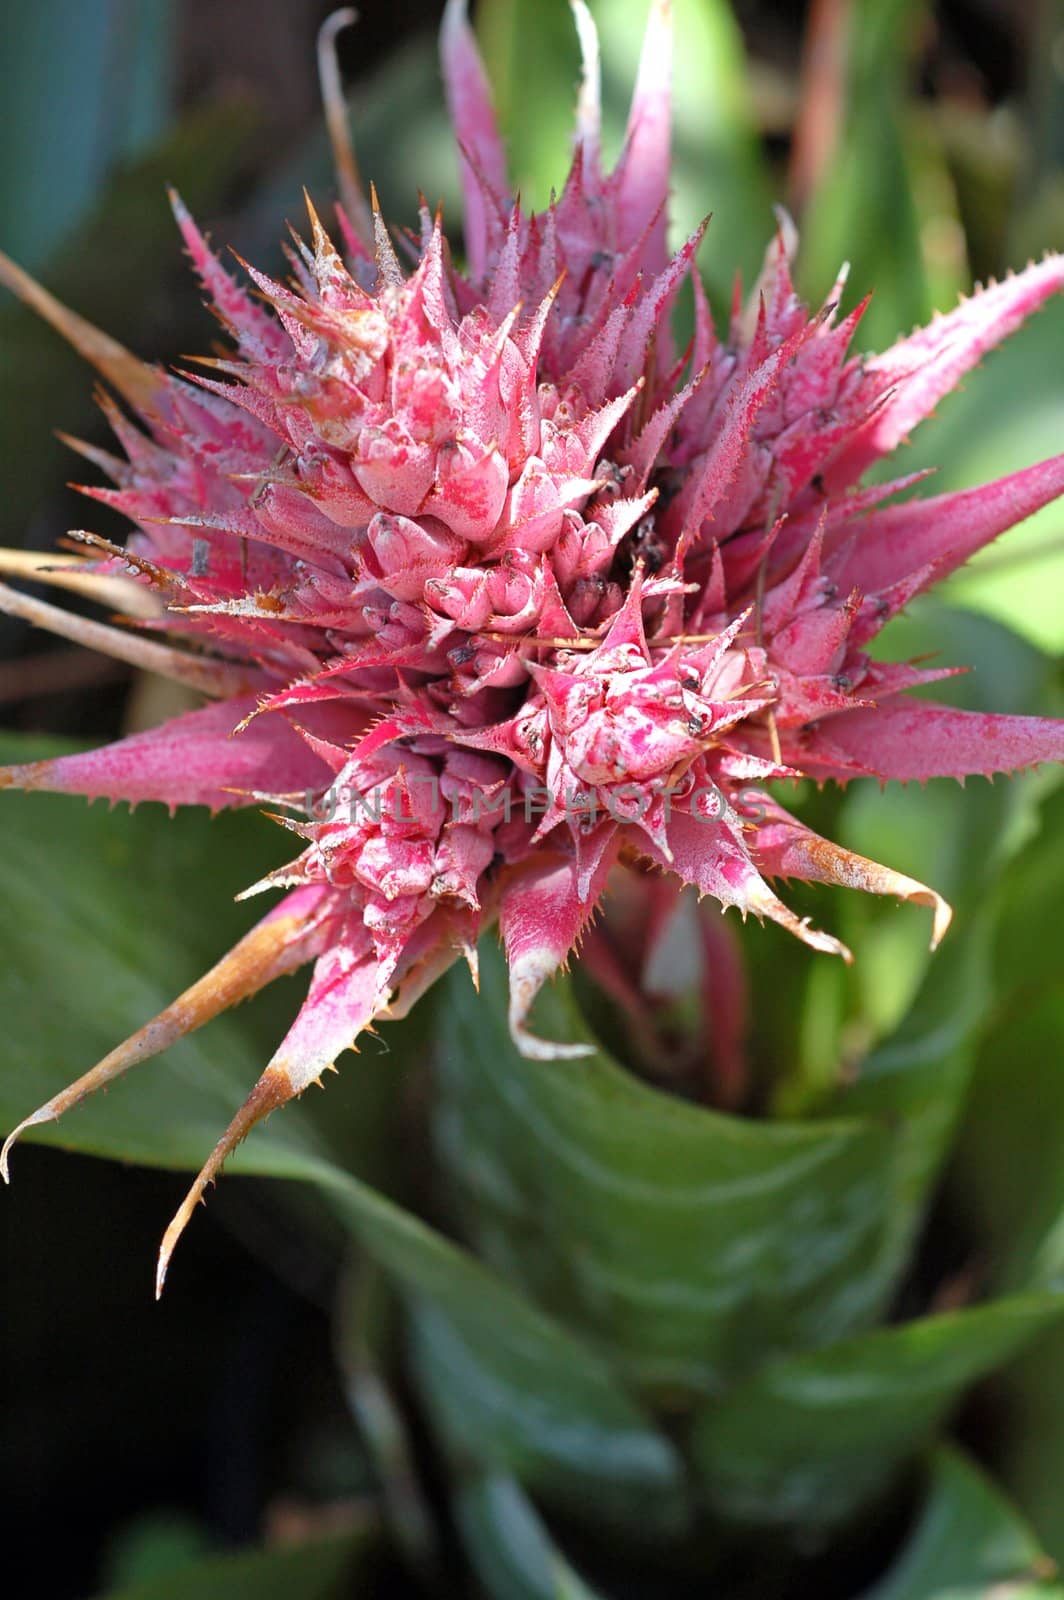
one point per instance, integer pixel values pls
(515, 593)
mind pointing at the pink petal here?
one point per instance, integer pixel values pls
(650, 318)
(339, 1004)
(945, 530)
(542, 915)
(910, 739)
(193, 760)
(932, 361)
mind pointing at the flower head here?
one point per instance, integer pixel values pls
(490, 588)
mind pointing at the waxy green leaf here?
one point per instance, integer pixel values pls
(688, 1244)
(810, 1439)
(967, 1544)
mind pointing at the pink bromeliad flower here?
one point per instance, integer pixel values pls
(490, 588)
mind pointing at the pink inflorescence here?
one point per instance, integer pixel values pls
(497, 588)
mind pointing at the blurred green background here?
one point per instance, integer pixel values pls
(925, 144)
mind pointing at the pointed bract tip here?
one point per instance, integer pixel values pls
(943, 918)
(388, 265)
(335, 23)
(763, 903)
(787, 232)
(161, 1268)
(49, 1112)
(274, 1088)
(787, 849)
(43, 1114)
(177, 205)
(533, 1048)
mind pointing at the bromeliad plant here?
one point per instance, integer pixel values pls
(500, 601)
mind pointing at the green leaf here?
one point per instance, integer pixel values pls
(112, 912)
(509, 1546)
(1007, 1179)
(118, 912)
(1031, 1456)
(1009, 1162)
(323, 1569)
(811, 1438)
(367, 1342)
(688, 1244)
(968, 1544)
(916, 1082)
(509, 1390)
